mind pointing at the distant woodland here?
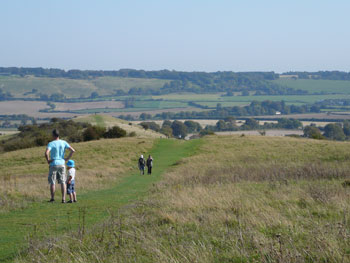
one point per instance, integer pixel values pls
(196, 82)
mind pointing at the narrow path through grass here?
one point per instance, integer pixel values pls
(53, 219)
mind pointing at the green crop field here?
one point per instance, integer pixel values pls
(317, 86)
(190, 97)
(112, 83)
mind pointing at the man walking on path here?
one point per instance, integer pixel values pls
(54, 155)
(149, 164)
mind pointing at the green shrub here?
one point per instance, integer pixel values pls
(115, 132)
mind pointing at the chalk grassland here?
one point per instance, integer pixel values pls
(239, 199)
(43, 220)
(23, 175)
(72, 88)
(317, 86)
(109, 121)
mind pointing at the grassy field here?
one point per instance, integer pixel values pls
(72, 88)
(53, 220)
(112, 83)
(317, 86)
(235, 199)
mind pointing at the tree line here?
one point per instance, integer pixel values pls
(332, 131)
(256, 108)
(326, 75)
(40, 135)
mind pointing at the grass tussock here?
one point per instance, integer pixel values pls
(239, 199)
(23, 177)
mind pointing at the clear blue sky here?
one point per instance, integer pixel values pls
(189, 35)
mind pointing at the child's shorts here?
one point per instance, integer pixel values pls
(70, 188)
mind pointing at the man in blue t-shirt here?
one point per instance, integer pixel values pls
(54, 155)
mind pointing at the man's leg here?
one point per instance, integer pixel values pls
(52, 191)
(63, 190)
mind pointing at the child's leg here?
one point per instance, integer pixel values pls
(71, 196)
(75, 196)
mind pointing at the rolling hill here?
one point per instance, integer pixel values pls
(217, 199)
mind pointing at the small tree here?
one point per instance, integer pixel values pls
(115, 132)
(312, 132)
(334, 132)
(179, 129)
(93, 133)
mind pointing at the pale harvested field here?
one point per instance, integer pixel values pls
(268, 132)
(89, 105)
(21, 107)
(30, 108)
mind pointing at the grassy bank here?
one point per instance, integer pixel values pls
(44, 220)
(238, 199)
(23, 175)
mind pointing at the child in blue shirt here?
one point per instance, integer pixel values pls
(71, 182)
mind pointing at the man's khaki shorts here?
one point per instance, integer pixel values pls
(57, 173)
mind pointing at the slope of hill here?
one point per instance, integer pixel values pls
(21, 87)
(238, 199)
(111, 158)
(109, 121)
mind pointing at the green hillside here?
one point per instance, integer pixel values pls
(74, 88)
(232, 199)
(94, 205)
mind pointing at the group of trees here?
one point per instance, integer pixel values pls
(330, 75)
(5, 95)
(15, 120)
(40, 135)
(181, 129)
(256, 108)
(175, 128)
(230, 124)
(332, 131)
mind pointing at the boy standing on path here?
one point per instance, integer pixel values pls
(54, 155)
(71, 182)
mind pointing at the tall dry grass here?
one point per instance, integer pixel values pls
(23, 177)
(239, 199)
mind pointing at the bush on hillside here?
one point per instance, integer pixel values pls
(150, 125)
(40, 135)
(115, 132)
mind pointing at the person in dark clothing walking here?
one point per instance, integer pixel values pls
(142, 163)
(149, 164)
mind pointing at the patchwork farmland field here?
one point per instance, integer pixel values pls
(317, 86)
